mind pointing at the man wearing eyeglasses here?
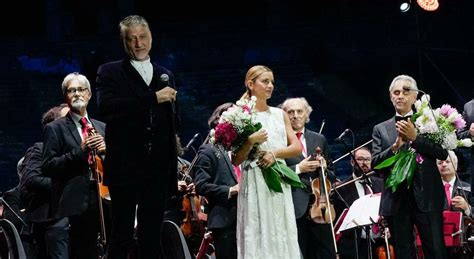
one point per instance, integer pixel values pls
(351, 192)
(67, 159)
(422, 203)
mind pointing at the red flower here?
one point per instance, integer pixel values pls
(225, 134)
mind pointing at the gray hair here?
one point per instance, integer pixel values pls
(131, 20)
(308, 107)
(454, 159)
(82, 79)
(403, 77)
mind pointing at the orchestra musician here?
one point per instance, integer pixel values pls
(66, 159)
(315, 239)
(455, 190)
(174, 208)
(422, 204)
(216, 179)
(346, 196)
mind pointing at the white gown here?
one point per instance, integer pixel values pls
(266, 224)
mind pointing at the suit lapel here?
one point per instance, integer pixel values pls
(310, 142)
(229, 164)
(134, 77)
(99, 129)
(73, 129)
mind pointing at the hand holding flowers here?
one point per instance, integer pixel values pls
(437, 125)
(238, 128)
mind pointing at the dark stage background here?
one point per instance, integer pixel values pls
(341, 55)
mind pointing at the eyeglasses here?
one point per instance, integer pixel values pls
(80, 90)
(364, 160)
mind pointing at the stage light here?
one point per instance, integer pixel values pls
(428, 5)
(405, 6)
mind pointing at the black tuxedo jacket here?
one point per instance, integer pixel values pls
(458, 188)
(66, 164)
(12, 198)
(213, 176)
(427, 186)
(140, 134)
(302, 196)
(468, 115)
(35, 188)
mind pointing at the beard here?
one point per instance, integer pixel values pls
(359, 172)
(78, 105)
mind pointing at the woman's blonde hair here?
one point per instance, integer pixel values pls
(252, 74)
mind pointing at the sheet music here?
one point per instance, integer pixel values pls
(361, 211)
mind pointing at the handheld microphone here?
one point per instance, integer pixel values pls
(191, 142)
(166, 79)
(342, 135)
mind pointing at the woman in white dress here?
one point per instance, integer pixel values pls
(266, 225)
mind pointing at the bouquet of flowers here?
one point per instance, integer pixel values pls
(439, 125)
(235, 125)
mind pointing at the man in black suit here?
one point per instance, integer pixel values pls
(468, 132)
(350, 193)
(14, 210)
(215, 179)
(458, 194)
(315, 239)
(67, 156)
(457, 188)
(422, 204)
(50, 234)
(137, 101)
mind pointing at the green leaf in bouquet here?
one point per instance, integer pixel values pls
(272, 179)
(288, 175)
(279, 172)
(411, 167)
(388, 162)
(403, 169)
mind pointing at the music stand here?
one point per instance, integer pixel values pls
(361, 214)
(452, 229)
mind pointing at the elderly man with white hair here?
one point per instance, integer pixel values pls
(455, 188)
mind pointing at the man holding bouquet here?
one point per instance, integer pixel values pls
(420, 204)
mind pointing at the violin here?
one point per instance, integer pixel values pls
(322, 211)
(98, 169)
(381, 251)
(102, 193)
(192, 225)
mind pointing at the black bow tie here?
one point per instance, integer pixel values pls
(402, 118)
